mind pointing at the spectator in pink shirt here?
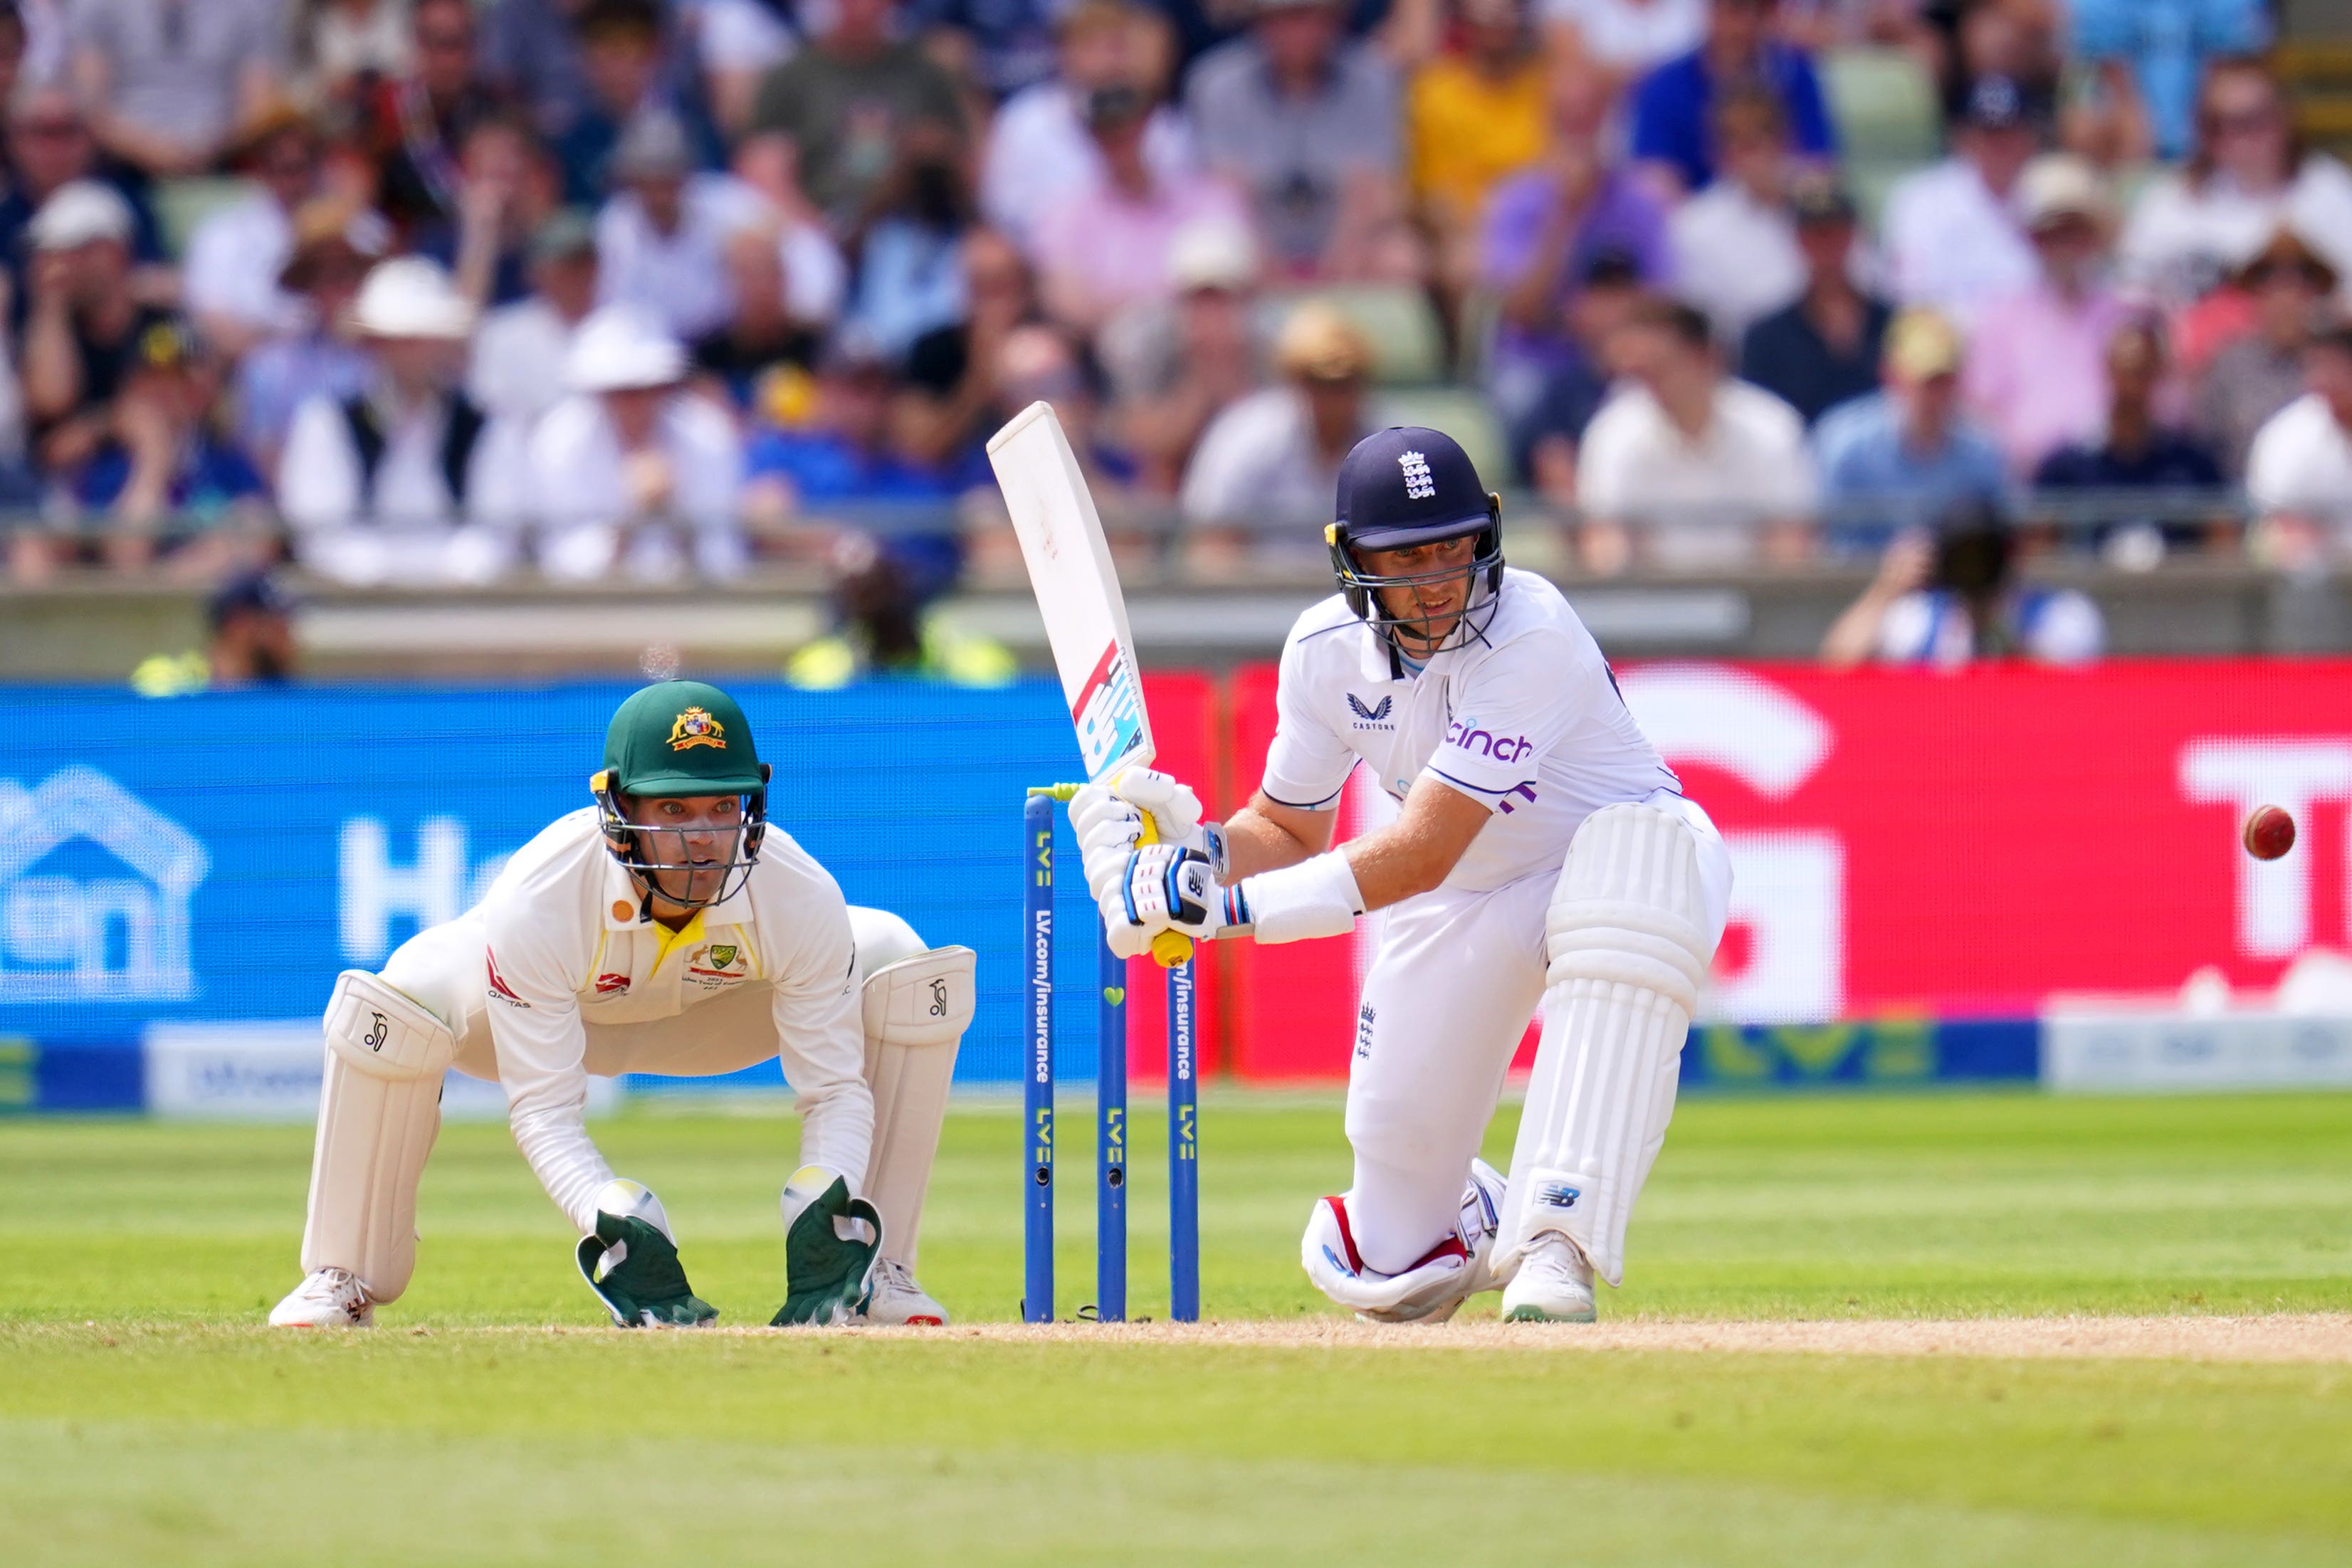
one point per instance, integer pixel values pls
(2037, 366)
(1101, 249)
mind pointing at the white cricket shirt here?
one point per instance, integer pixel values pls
(1527, 721)
(569, 946)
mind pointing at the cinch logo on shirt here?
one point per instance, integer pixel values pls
(1485, 743)
(1373, 717)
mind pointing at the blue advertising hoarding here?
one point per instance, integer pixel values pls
(218, 858)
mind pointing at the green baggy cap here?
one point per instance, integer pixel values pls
(681, 738)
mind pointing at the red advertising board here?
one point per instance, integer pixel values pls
(1954, 844)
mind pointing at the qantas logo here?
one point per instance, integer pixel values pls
(612, 985)
(498, 987)
(1373, 717)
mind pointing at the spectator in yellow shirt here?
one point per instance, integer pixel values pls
(1473, 113)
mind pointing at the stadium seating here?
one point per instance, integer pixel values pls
(1885, 105)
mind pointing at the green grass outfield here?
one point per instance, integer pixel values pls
(144, 1416)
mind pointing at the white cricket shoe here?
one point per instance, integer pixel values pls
(1554, 1284)
(329, 1299)
(897, 1300)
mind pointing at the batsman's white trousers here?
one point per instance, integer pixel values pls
(1452, 986)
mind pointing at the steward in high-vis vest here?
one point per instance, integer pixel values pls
(666, 928)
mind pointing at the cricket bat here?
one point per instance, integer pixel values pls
(1077, 592)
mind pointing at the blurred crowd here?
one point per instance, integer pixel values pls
(442, 290)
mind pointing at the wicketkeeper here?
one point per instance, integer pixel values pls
(667, 929)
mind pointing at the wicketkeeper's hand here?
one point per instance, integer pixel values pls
(827, 1261)
(1166, 887)
(632, 1265)
(1108, 820)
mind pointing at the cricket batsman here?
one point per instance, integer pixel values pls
(668, 928)
(1542, 856)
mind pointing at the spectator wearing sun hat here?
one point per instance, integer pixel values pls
(1270, 463)
(2037, 371)
(1175, 364)
(85, 323)
(1906, 454)
(409, 480)
(230, 279)
(333, 249)
(633, 473)
(1952, 236)
(49, 145)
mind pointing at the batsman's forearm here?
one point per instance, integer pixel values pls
(1256, 841)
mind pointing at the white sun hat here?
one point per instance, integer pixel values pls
(78, 212)
(410, 296)
(620, 349)
(1211, 253)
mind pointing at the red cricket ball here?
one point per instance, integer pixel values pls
(2270, 832)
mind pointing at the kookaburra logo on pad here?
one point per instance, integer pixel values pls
(1418, 484)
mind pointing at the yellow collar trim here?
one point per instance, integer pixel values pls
(671, 941)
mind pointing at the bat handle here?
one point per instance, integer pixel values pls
(1169, 948)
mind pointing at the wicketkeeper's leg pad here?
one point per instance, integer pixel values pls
(917, 1007)
(379, 1111)
(1629, 936)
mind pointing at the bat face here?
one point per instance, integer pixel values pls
(1108, 715)
(1078, 590)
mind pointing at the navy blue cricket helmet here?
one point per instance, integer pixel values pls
(1408, 486)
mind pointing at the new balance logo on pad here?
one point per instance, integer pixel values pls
(1558, 1195)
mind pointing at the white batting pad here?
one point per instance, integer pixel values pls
(1628, 937)
(379, 1111)
(915, 1012)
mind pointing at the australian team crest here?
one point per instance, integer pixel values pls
(717, 967)
(694, 727)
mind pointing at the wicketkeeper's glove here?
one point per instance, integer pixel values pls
(828, 1263)
(632, 1264)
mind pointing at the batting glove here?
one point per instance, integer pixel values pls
(1109, 819)
(1169, 888)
